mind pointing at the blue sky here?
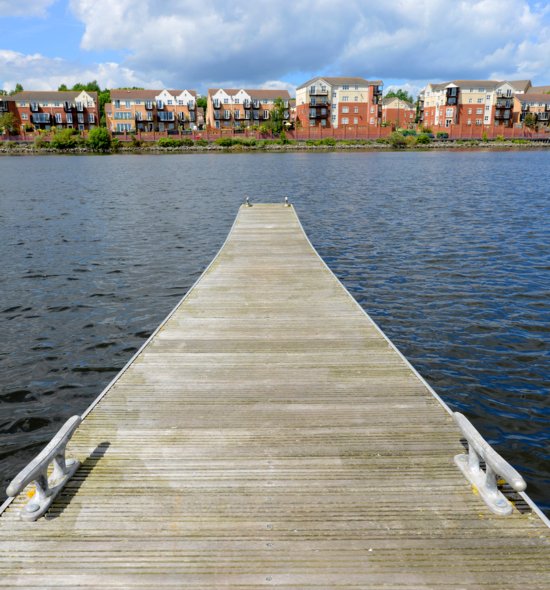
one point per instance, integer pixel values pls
(203, 43)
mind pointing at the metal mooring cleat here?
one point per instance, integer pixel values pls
(486, 480)
(36, 473)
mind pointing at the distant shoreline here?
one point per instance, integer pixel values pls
(299, 146)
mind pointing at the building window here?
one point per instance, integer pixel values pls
(345, 87)
(469, 111)
(91, 118)
(356, 99)
(345, 98)
(117, 104)
(488, 97)
(470, 100)
(225, 101)
(345, 120)
(24, 117)
(355, 109)
(479, 111)
(323, 122)
(469, 122)
(312, 123)
(372, 120)
(479, 100)
(372, 110)
(237, 114)
(138, 102)
(333, 105)
(170, 102)
(355, 121)
(58, 118)
(486, 118)
(236, 101)
(478, 121)
(69, 118)
(333, 118)
(80, 118)
(488, 107)
(128, 103)
(345, 109)
(266, 114)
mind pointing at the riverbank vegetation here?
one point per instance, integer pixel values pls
(100, 141)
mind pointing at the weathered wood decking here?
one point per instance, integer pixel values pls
(268, 435)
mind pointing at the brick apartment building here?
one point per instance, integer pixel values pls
(230, 108)
(153, 110)
(465, 103)
(60, 109)
(397, 112)
(339, 102)
(536, 104)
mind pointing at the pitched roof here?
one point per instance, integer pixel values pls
(520, 85)
(144, 94)
(477, 83)
(389, 99)
(60, 95)
(534, 97)
(339, 80)
(258, 93)
(538, 89)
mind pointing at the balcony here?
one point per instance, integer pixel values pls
(246, 104)
(318, 103)
(80, 107)
(321, 113)
(216, 103)
(503, 103)
(256, 104)
(543, 116)
(160, 105)
(503, 114)
(68, 106)
(41, 118)
(181, 117)
(34, 107)
(191, 105)
(318, 91)
(227, 115)
(165, 116)
(149, 105)
(452, 101)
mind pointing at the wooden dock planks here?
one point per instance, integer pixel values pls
(268, 435)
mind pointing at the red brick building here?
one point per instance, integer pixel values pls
(399, 113)
(60, 109)
(333, 102)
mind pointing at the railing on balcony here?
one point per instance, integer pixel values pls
(318, 91)
(181, 117)
(149, 105)
(68, 106)
(503, 114)
(246, 104)
(34, 107)
(41, 118)
(216, 103)
(503, 103)
(256, 104)
(543, 116)
(165, 116)
(318, 103)
(227, 115)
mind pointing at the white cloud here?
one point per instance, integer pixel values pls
(36, 72)
(198, 44)
(185, 43)
(26, 9)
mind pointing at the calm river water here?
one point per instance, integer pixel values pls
(448, 252)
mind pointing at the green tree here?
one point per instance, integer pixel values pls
(99, 140)
(530, 120)
(18, 88)
(202, 102)
(8, 123)
(62, 88)
(103, 98)
(277, 118)
(397, 140)
(401, 94)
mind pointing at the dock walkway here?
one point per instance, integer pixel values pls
(269, 435)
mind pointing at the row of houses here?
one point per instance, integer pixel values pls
(461, 104)
(323, 102)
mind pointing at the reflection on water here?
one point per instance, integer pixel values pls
(448, 252)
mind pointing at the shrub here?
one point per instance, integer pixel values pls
(187, 141)
(224, 141)
(201, 142)
(411, 141)
(328, 141)
(115, 144)
(442, 135)
(167, 142)
(65, 139)
(99, 140)
(484, 137)
(40, 142)
(312, 142)
(500, 138)
(407, 132)
(397, 140)
(423, 139)
(426, 130)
